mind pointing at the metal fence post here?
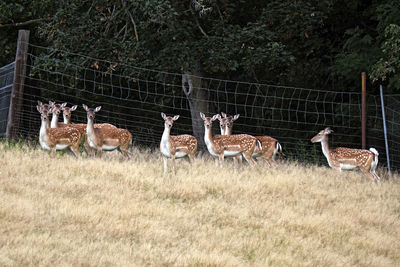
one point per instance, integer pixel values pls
(384, 129)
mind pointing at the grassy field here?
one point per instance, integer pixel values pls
(64, 211)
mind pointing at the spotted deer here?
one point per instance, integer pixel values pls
(55, 109)
(57, 138)
(342, 158)
(176, 146)
(43, 106)
(67, 112)
(222, 146)
(106, 138)
(270, 146)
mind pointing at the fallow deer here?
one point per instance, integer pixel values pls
(228, 146)
(57, 138)
(343, 158)
(176, 146)
(67, 112)
(55, 109)
(43, 106)
(270, 146)
(106, 138)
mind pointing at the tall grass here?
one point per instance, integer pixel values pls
(63, 211)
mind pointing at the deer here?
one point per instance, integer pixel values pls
(55, 109)
(43, 106)
(176, 146)
(270, 146)
(106, 138)
(57, 138)
(342, 158)
(222, 146)
(67, 112)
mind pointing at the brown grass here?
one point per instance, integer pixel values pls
(107, 211)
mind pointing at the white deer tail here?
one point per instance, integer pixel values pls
(259, 145)
(278, 149)
(373, 150)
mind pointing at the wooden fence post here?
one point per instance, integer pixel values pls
(17, 92)
(363, 110)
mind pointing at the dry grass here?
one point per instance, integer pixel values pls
(65, 211)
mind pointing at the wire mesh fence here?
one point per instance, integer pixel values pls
(6, 83)
(133, 98)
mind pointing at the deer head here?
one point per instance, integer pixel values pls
(67, 112)
(91, 112)
(208, 121)
(321, 135)
(169, 121)
(56, 108)
(230, 120)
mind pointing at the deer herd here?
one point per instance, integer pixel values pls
(55, 135)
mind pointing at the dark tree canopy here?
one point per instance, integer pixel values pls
(318, 44)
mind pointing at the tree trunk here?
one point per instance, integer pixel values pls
(197, 95)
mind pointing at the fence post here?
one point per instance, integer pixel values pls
(384, 129)
(18, 84)
(363, 110)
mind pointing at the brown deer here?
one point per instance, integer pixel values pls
(228, 146)
(55, 109)
(343, 158)
(176, 146)
(106, 138)
(67, 112)
(270, 146)
(43, 106)
(57, 138)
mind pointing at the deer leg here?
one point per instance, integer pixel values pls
(99, 151)
(191, 157)
(221, 159)
(53, 151)
(88, 149)
(165, 164)
(248, 157)
(75, 150)
(369, 174)
(124, 151)
(173, 162)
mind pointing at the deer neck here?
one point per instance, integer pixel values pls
(222, 130)
(90, 129)
(45, 125)
(54, 121)
(166, 134)
(67, 120)
(325, 148)
(228, 131)
(208, 138)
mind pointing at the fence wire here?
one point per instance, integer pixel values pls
(133, 98)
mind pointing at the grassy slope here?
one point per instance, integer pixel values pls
(65, 211)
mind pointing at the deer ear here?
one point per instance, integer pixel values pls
(328, 130)
(163, 115)
(74, 108)
(97, 109)
(223, 115)
(202, 116)
(51, 103)
(85, 107)
(218, 117)
(175, 117)
(215, 117)
(39, 108)
(236, 117)
(63, 105)
(39, 103)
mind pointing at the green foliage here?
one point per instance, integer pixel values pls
(388, 66)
